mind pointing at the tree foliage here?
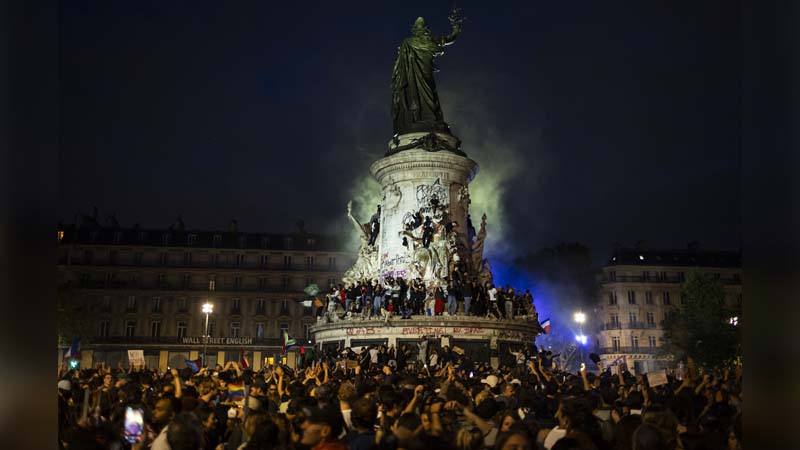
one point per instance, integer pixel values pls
(701, 327)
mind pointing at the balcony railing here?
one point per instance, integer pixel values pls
(179, 287)
(229, 266)
(620, 350)
(145, 340)
(628, 326)
(659, 279)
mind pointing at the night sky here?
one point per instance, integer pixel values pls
(591, 121)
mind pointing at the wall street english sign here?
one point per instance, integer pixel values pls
(218, 340)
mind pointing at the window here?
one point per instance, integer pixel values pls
(142, 236)
(612, 298)
(681, 277)
(161, 280)
(648, 298)
(309, 281)
(130, 328)
(242, 241)
(332, 263)
(615, 343)
(191, 239)
(307, 331)
(737, 278)
(285, 283)
(135, 279)
(182, 304)
(631, 297)
(87, 256)
(331, 282)
(60, 235)
(215, 260)
(739, 300)
(651, 320)
(212, 283)
(187, 258)
(264, 242)
(632, 318)
(113, 257)
(156, 304)
(284, 327)
(235, 327)
(164, 258)
(612, 275)
(665, 298)
(117, 237)
(652, 340)
(93, 236)
(284, 307)
(288, 242)
(238, 261)
(165, 238)
(131, 303)
(262, 283)
(646, 275)
(109, 278)
(663, 276)
(614, 320)
(635, 342)
(137, 258)
(287, 262)
(155, 329)
(181, 329)
(237, 282)
(105, 325)
(682, 298)
(310, 262)
(105, 305)
(236, 307)
(261, 306)
(264, 261)
(259, 330)
(216, 240)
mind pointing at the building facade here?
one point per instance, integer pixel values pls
(133, 289)
(639, 287)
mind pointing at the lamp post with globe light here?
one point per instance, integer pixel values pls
(580, 318)
(208, 308)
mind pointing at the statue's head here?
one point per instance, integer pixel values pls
(420, 27)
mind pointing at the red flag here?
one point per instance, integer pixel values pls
(243, 360)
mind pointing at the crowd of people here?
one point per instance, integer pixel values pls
(398, 297)
(367, 399)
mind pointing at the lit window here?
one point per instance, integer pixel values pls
(235, 328)
(155, 329)
(181, 329)
(259, 330)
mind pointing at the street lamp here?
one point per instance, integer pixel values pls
(580, 318)
(208, 308)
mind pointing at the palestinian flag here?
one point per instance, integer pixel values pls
(288, 341)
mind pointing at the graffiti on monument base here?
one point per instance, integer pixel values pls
(420, 331)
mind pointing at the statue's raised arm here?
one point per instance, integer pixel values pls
(362, 232)
(455, 27)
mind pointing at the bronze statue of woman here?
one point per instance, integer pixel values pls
(415, 102)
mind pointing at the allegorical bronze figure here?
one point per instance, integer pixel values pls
(415, 102)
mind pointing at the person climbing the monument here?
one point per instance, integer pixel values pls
(374, 226)
(427, 231)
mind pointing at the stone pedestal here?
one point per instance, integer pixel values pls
(409, 180)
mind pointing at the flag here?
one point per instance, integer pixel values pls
(235, 390)
(243, 360)
(546, 325)
(74, 350)
(288, 341)
(194, 365)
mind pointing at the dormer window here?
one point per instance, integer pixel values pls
(191, 239)
(217, 240)
(165, 239)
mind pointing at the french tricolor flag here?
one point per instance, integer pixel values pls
(546, 325)
(74, 350)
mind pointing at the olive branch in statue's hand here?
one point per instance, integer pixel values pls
(455, 17)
